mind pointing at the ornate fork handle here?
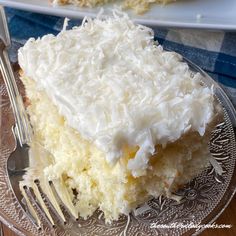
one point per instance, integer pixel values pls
(22, 128)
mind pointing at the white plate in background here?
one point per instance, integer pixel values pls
(214, 14)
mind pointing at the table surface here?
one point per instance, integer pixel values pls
(227, 217)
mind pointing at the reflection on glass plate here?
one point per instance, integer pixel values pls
(202, 200)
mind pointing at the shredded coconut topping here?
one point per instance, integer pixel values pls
(116, 86)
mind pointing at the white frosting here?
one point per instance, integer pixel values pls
(114, 85)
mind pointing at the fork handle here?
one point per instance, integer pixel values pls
(22, 128)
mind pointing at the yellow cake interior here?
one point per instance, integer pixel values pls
(80, 165)
(139, 6)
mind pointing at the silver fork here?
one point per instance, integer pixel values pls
(41, 199)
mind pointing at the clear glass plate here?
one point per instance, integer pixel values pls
(203, 199)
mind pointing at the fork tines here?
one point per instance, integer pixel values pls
(48, 201)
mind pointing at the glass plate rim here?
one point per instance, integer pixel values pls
(228, 195)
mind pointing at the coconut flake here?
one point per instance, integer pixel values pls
(115, 86)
